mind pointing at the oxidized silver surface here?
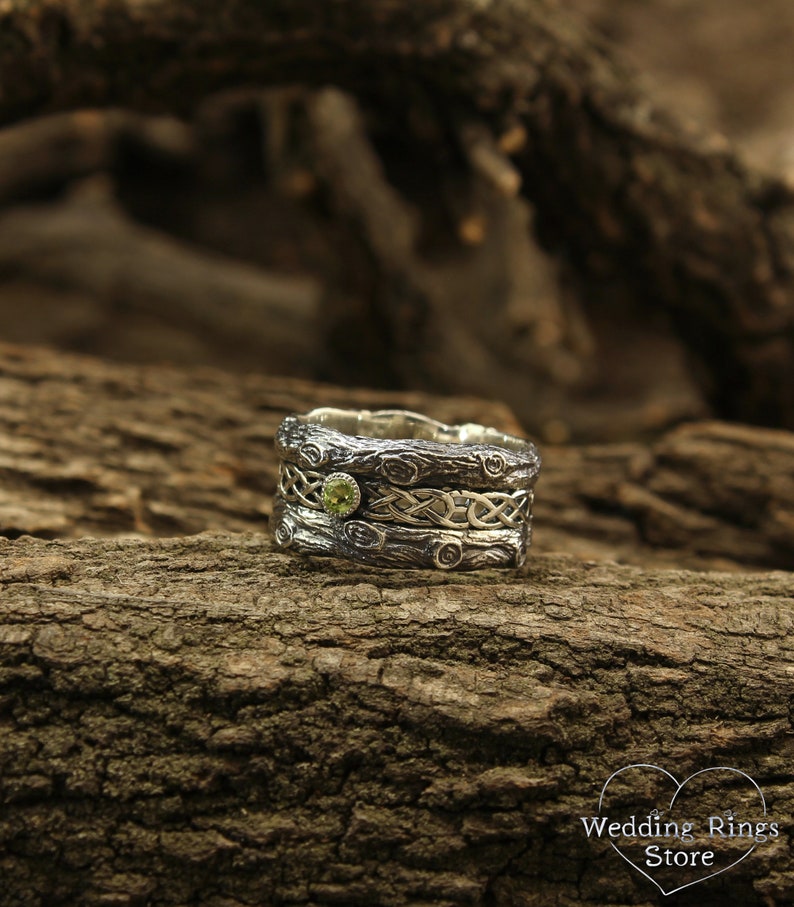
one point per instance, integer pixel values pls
(431, 495)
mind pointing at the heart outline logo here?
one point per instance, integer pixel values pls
(679, 788)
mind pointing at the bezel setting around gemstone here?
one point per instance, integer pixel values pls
(340, 494)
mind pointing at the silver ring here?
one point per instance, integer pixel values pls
(396, 489)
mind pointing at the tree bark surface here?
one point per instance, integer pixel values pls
(207, 719)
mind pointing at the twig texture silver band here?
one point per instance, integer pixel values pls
(397, 489)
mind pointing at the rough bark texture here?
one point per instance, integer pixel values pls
(92, 448)
(504, 91)
(209, 721)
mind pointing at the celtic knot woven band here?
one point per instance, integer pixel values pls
(395, 488)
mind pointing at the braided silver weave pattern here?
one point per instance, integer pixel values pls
(450, 509)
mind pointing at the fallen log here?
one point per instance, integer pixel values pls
(209, 720)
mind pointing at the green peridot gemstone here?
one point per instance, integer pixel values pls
(341, 494)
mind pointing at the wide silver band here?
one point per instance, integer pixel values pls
(397, 489)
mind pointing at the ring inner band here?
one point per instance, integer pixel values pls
(398, 424)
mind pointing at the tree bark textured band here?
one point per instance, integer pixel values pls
(395, 488)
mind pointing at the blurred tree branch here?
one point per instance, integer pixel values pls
(479, 97)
